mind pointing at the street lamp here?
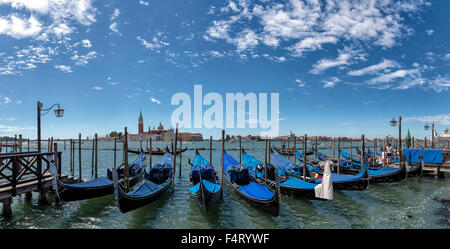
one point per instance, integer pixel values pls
(394, 123)
(427, 127)
(59, 112)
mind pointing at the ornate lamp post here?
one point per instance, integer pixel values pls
(394, 123)
(41, 112)
(427, 127)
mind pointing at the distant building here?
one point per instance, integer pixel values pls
(161, 134)
(445, 134)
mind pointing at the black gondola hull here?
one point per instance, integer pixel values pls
(128, 203)
(396, 176)
(205, 198)
(67, 194)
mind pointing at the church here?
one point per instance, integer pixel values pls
(161, 134)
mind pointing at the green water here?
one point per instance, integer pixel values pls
(406, 204)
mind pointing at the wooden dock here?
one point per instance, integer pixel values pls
(26, 172)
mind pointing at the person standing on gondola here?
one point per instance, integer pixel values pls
(389, 152)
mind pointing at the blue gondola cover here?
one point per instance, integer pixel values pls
(429, 155)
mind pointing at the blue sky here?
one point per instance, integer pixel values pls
(342, 68)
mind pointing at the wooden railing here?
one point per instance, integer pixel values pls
(23, 167)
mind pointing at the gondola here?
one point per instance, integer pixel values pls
(204, 183)
(156, 182)
(99, 186)
(157, 152)
(340, 181)
(289, 152)
(238, 178)
(288, 184)
(390, 174)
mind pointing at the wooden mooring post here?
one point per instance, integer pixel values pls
(79, 158)
(295, 148)
(96, 154)
(150, 154)
(92, 157)
(240, 150)
(315, 152)
(71, 157)
(125, 158)
(210, 150)
(181, 155)
(339, 156)
(288, 149)
(20, 143)
(174, 158)
(304, 157)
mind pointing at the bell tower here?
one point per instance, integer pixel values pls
(141, 123)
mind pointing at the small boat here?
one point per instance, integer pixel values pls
(238, 178)
(389, 174)
(340, 181)
(204, 183)
(157, 152)
(289, 152)
(155, 183)
(99, 186)
(288, 184)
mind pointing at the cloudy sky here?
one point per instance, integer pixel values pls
(342, 68)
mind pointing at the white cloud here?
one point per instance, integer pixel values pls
(440, 83)
(385, 78)
(155, 101)
(345, 57)
(440, 119)
(311, 44)
(374, 68)
(115, 14)
(65, 69)
(308, 25)
(81, 60)
(300, 83)
(60, 14)
(331, 82)
(154, 44)
(8, 128)
(429, 31)
(98, 88)
(113, 27)
(143, 3)
(86, 43)
(7, 100)
(19, 28)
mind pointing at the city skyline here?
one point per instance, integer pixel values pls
(340, 68)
